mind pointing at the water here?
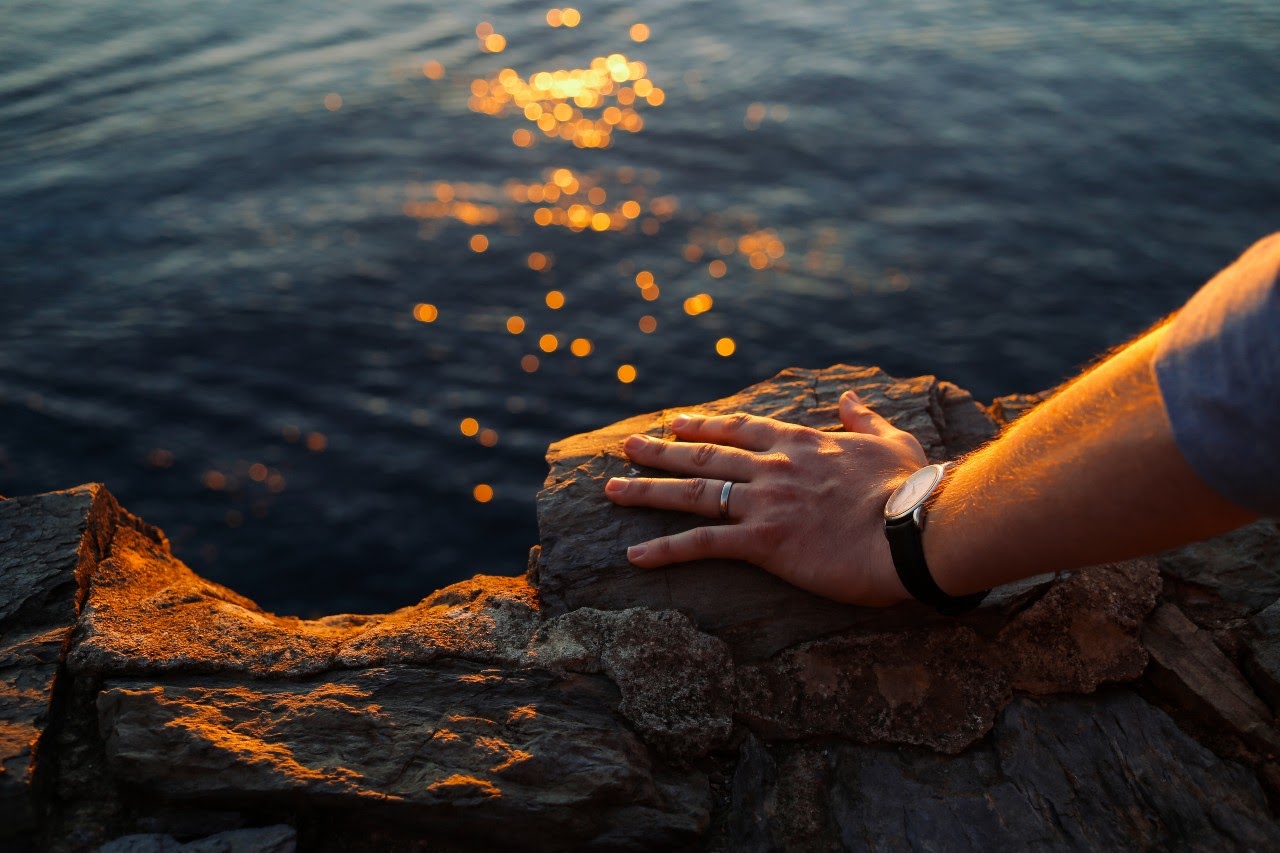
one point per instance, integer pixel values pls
(217, 223)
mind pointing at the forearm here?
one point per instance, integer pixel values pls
(1090, 476)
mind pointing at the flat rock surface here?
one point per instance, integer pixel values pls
(458, 746)
(584, 536)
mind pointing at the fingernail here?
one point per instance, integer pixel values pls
(634, 443)
(635, 552)
(680, 421)
(850, 397)
(616, 486)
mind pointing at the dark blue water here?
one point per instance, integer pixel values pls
(204, 267)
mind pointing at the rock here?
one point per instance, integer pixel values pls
(1097, 773)
(269, 839)
(48, 546)
(582, 562)
(458, 749)
(1242, 566)
(710, 707)
(1005, 410)
(1192, 673)
(676, 682)
(151, 614)
(941, 684)
(1263, 663)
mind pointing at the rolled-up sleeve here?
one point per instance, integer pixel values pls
(1218, 368)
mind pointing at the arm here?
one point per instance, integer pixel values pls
(1090, 476)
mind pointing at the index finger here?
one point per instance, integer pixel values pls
(748, 432)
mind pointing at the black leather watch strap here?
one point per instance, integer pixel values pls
(907, 547)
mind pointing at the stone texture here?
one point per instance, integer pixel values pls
(1263, 662)
(48, 546)
(458, 748)
(149, 613)
(1193, 674)
(676, 682)
(269, 839)
(941, 684)
(582, 562)
(1242, 566)
(1108, 772)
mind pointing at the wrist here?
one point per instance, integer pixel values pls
(906, 518)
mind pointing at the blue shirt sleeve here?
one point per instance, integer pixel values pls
(1218, 368)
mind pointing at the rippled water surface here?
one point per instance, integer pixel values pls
(283, 274)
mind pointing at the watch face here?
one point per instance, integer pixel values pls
(912, 492)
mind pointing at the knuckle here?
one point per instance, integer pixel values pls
(769, 536)
(777, 463)
(702, 538)
(694, 488)
(704, 453)
(737, 421)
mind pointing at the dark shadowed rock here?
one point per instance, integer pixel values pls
(1242, 566)
(268, 839)
(1263, 662)
(941, 684)
(1192, 673)
(49, 544)
(1100, 773)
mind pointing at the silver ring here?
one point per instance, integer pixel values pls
(724, 500)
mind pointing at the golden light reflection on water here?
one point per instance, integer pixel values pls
(597, 106)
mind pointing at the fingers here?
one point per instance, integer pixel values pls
(856, 417)
(696, 495)
(724, 542)
(727, 463)
(746, 431)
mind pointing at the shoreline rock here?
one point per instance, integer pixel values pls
(586, 705)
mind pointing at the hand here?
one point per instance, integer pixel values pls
(806, 505)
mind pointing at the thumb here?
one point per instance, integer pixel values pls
(856, 417)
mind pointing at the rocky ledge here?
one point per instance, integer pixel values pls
(585, 704)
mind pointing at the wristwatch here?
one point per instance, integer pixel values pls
(903, 526)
